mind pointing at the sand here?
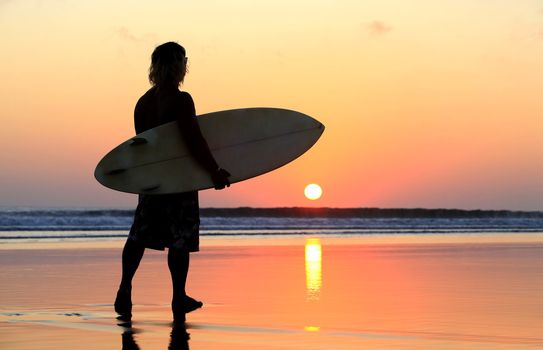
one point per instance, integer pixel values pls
(387, 292)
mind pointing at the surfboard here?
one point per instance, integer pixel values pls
(247, 142)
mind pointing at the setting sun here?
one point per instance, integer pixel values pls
(313, 191)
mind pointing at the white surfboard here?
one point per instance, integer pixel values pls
(246, 142)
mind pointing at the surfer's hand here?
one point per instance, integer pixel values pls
(220, 179)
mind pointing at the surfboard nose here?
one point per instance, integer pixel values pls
(316, 124)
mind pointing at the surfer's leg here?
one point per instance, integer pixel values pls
(132, 254)
(178, 263)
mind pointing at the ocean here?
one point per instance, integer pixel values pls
(21, 225)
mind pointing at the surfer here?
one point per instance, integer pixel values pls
(170, 220)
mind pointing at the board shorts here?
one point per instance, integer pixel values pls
(167, 221)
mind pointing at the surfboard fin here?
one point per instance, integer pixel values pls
(150, 188)
(138, 141)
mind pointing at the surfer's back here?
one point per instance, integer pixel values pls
(162, 105)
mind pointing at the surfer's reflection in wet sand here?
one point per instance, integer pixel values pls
(179, 339)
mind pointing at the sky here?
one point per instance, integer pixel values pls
(431, 104)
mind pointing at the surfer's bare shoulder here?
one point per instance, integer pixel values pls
(185, 104)
(146, 97)
(184, 97)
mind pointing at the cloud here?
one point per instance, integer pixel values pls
(127, 35)
(5, 2)
(377, 28)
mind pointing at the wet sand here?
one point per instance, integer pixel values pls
(386, 292)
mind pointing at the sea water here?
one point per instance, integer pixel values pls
(20, 225)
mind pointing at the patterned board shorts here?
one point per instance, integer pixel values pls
(171, 220)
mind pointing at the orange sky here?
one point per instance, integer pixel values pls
(426, 104)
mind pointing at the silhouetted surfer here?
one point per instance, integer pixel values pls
(170, 220)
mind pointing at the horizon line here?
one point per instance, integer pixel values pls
(2, 207)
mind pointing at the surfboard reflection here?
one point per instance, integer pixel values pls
(313, 268)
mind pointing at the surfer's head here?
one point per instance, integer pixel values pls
(168, 65)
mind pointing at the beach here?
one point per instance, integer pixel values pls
(476, 291)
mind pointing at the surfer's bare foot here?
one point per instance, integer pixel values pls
(182, 306)
(191, 304)
(185, 305)
(123, 304)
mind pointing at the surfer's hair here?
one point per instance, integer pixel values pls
(168, 64)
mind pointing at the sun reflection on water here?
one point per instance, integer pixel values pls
(312, 328)
(313, 268)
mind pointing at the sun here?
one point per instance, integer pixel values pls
(313, 191)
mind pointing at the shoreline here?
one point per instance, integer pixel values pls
(285, 240)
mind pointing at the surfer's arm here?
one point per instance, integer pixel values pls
(197, 144)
